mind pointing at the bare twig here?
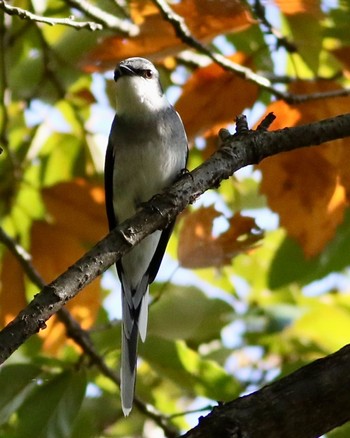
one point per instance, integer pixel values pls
(183, 32)
(281, 41)
(26, 15)
(109, 21)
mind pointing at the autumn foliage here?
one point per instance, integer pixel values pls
(244, 260)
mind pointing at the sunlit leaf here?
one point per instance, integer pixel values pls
(309, 188)
(62, 159)
(220, 87)
(299, 6)
(323, 322)
(157, 38)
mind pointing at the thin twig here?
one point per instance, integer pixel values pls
(26, 15)
(281, 41)
(183, 32)
(109, 21)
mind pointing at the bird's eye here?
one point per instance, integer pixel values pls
(148, 74)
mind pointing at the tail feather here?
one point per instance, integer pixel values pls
(128, 369)
(143, 317)
(134, 323)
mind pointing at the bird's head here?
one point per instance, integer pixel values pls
(138, 88)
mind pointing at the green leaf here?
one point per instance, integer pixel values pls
(254, 267)
(59, 400)
(326, 324)
(62, 159)
(340, 432)
(95, 414)
(252, 42)
(16, 382)
(187, 313)
(186, 368)
(306, 34)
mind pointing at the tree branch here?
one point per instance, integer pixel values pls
(319, 391)
(235, 153)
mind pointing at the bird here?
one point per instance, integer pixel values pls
(147, 151)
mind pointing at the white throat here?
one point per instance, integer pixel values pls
(137, 96)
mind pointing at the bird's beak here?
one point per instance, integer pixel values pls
(123, 70)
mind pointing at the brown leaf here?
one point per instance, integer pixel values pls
(157, 38)
(213, 97)
(198, 248)
(309, 188)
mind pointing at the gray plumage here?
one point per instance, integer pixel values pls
(146, 152)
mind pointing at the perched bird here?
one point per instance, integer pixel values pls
(147, 150)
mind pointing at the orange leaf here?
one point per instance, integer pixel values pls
(198, 248)
(213, 96)
(78, 208)
(157, 38)
(12, 293)
(292, 7)
(78, 220)
(309, 188)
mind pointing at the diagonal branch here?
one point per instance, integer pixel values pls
(235, 153)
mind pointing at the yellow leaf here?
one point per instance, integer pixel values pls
(292, 7)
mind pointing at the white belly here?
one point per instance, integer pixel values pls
(147, 170)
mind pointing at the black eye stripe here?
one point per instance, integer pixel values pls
(148, 74)
(125, 70)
